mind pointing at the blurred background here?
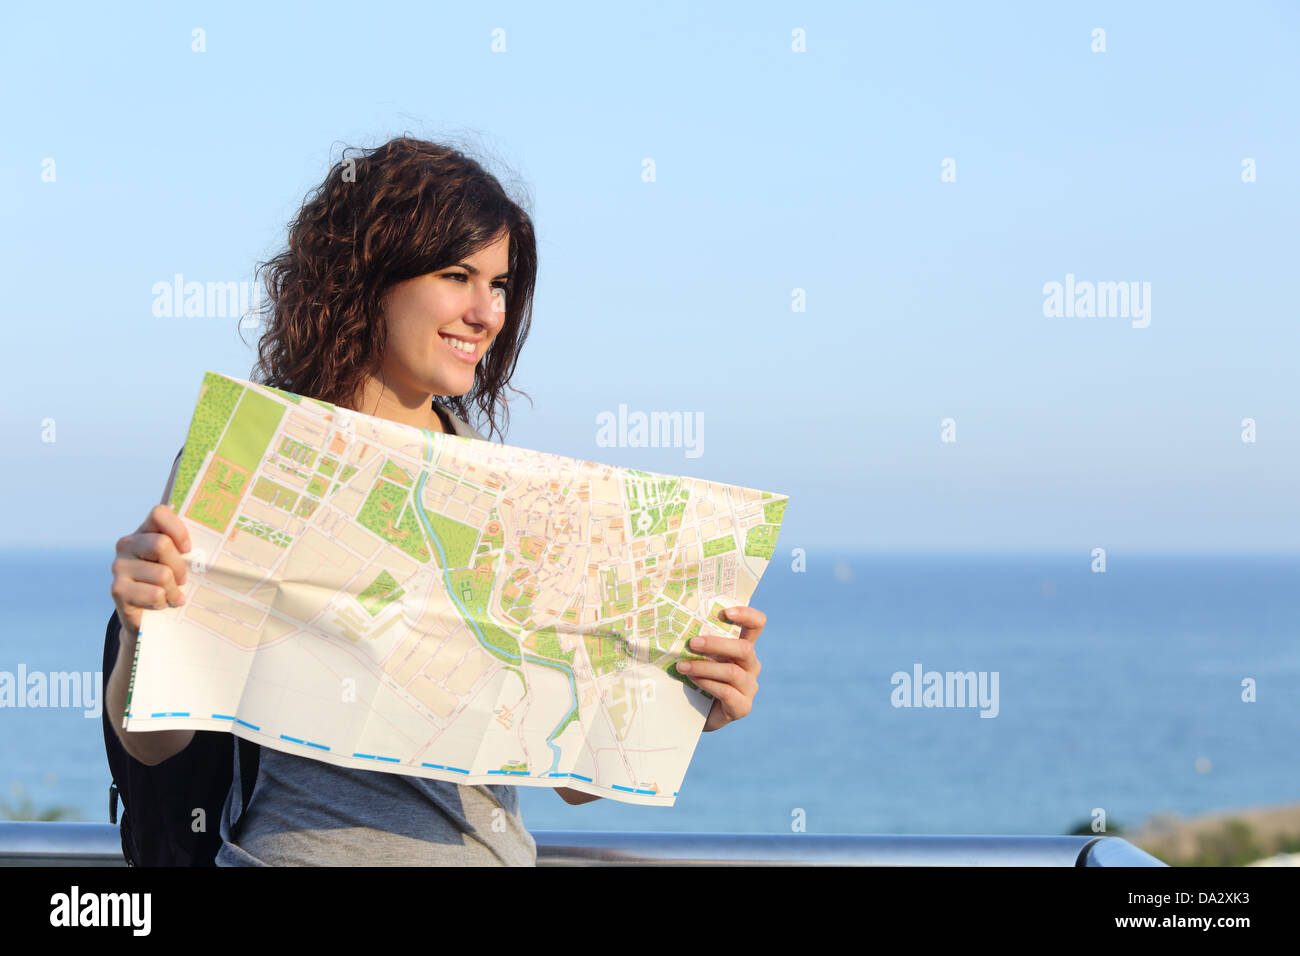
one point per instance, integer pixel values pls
(830, 231)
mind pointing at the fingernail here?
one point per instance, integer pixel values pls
(683, 666)
(697, 642)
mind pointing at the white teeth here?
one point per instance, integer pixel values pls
(466, 347)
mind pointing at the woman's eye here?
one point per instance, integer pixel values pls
(502, 286)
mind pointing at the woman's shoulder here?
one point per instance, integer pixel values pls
(458, 425)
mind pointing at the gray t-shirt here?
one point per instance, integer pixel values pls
(306, 812)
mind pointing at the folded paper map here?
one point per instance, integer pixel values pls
(386, 597)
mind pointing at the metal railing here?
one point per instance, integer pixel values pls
(24, 843)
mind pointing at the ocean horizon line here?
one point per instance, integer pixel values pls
(818, 552)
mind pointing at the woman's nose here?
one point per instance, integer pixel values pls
(492, 309)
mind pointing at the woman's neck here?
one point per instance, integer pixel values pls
(382, 401)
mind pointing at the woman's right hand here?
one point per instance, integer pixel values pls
(149, 571)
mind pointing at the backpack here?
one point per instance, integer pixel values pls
(161, 825)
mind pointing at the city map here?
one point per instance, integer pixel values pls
(386, 597)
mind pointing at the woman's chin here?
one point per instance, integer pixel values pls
(459, 383)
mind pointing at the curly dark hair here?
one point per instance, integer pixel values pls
(400, 210)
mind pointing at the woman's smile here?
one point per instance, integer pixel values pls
(464, 349)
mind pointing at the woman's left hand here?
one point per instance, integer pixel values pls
(732, 675)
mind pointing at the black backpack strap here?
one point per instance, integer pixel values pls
(118, 760)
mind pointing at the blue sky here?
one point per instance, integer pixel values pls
(775, 170)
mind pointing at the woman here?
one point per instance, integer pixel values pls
(405, 293)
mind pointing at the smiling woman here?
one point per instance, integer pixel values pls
(405, 293)
(399, 252)
(437, 328)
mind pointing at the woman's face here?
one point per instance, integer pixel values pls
(441, 323)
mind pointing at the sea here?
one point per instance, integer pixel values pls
(1162, 684)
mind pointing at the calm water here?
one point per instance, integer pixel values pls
(1120, 690)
